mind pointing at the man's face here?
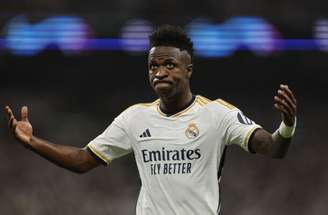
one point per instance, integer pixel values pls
(169, 70)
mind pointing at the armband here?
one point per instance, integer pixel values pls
(287, 131)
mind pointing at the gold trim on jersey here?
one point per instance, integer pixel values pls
(99, 154)
(226, 104)
(248, 135)
(145, 105)
(203, 101)
(200, 102)
(179, 113)
(150, 104)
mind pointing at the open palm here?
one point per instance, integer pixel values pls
(286, 103)
(22, 129)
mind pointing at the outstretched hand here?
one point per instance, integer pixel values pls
(22, 129)
(285, 102)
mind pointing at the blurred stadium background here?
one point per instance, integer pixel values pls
(78, 64)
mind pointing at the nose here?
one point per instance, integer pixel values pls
(161, 73)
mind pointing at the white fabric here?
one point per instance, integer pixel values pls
(179, 157)
(287, 131)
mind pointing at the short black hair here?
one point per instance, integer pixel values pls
(169, 35)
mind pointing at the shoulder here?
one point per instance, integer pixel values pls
(133, 113)
(139, 107)
(217, 105)
(225, 105)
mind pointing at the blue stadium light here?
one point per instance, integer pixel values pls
(321, 33)
(135, 35)
(71, 35)
(22, 39)
(210, 40)
(222, 40)
(298, 44)
(3, 43)
(67, 33)
(113, 44)
(255, 34)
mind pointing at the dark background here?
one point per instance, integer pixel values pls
(74, 98)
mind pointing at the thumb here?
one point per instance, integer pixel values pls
(24, 114)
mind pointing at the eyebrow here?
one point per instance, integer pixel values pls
(161, 58)
(167, 60)
(170, 59)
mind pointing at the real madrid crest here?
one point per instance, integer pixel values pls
(192, 131)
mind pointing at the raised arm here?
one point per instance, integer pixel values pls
(76, 159)
(276, 145)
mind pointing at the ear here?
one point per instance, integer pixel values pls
(189, 70)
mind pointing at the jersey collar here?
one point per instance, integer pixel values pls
(184, 109)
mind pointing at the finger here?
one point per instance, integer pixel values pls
(289, 92)
(12, 123)
(10, 117)
(281, 109)
(283, 104)
(285, 116)
(285, 98)
(8, 113)
(24, 113)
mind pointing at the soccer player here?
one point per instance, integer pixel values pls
(178, 140)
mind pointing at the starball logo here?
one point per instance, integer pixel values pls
(167, 161)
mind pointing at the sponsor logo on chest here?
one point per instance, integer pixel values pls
(171, 159)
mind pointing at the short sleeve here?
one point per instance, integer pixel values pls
(114, 142)
(238, 128)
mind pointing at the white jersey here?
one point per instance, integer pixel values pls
(179, 157)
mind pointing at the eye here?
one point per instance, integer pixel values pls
(170, 65)
(153, 67)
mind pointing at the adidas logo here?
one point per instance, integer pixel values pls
(145, 133)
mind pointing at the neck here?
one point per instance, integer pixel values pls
(174, 104)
